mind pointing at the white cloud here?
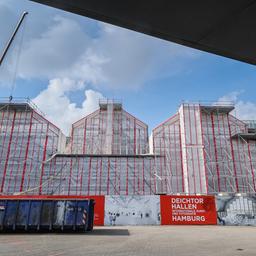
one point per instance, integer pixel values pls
(244, 110)
(54, 52)
(231, 97)
(54, 102)
(71, 52)
(106, 56)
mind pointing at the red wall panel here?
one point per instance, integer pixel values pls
(99, 209)
(188, 210)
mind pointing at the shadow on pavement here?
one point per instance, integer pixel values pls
(95, 232)
(109, 232)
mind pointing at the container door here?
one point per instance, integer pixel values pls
(2, 212)
(46, 214)
(82, 213)
(10, 216)
(70, 213)
(34, 216)
(90, 214)
(22, 214)
(58, 214)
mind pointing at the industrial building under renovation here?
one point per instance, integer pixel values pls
(202, 149)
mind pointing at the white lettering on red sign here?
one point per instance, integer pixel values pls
(187, 209)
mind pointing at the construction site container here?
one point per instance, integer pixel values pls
(46, 215)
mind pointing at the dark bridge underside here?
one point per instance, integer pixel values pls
(223, 27)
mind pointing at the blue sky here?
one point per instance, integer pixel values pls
(67, 62)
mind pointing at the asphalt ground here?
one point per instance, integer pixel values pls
(136, 240)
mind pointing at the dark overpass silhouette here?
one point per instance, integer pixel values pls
(223, 27)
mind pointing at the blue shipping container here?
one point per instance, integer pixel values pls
(46, 215)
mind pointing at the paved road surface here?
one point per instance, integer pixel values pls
(148, 240)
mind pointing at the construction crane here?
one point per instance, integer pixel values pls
(8, 45)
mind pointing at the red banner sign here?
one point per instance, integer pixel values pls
(188, 210)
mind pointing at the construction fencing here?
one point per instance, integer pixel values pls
(165, 209)
(175, 210)
(181, 210)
